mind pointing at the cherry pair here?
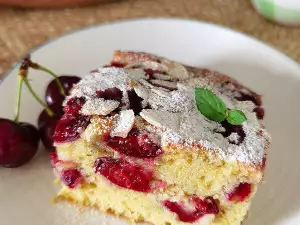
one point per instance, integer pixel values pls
(19, 141)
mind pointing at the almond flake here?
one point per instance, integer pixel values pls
(123, 124)
(99, 106)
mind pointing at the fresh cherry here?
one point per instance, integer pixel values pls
(47, 125)
(53, 94)
(56, 90)
(32, 133)
(18, 143)
(44, 116)
(47, 130)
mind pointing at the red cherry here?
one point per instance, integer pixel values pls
(229, 129)
(139, 146)
(47, 125)
(73, 106)
(32, 133)
(110, 94)
(71, 177)
(54, 158)
(72, 124)
(124, 174)
(53, 95)
(260, 112)
(240, 193)
(69, 128)
(117, 64)
(135, 102)
(44, 116)
(202, 207)
(47, 131)
(17, 147)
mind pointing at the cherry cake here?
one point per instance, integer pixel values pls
(132, 142)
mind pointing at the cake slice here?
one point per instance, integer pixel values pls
(156, 141)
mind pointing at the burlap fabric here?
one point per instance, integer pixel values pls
(21, 30)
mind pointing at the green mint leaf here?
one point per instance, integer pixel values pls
(236, 117)
(210, 105)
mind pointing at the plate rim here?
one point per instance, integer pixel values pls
(275, 50)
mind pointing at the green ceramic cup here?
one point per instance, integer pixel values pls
(281, 11)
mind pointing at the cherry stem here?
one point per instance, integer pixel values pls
(19, 92)
(48, 110)
(59, 84)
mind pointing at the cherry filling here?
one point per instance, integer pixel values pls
(110, 94)
(73, 106)
(245, 95)
(72, 124)
(260, 112)
(117, 64)
(240, 193)
(264, 161)
(71, 177)
(135, 102)
(124, 174)
(54, 158)
(249, 97)
(69, 128)
(151, 72)
(229, 129)
(201, 208)
(134, 145)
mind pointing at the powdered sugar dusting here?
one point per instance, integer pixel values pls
(170, 106)
(105, 78)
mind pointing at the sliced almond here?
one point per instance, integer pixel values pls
(176, 70)
(123, 124)
(161, 119)
(99, 106)
(165, 84)
(160, 76)
(155, 66)
(141, 91)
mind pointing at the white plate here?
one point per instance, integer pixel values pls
(25, 192)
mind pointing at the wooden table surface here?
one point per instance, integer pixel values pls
(21, 30)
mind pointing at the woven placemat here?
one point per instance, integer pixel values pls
(21, 30)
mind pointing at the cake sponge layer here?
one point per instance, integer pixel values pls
(194, 172)
(139, 207)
